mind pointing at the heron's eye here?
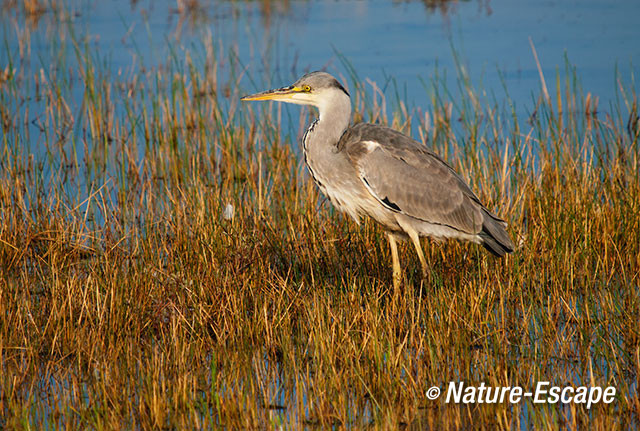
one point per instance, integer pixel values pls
(306, 88)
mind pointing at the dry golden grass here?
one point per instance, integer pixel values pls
(129, 301)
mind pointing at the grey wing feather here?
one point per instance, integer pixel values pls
(406, 177)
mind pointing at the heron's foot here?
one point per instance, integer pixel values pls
(415, 239)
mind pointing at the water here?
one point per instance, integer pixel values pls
(399, 45)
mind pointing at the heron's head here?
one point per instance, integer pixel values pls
(318, 89)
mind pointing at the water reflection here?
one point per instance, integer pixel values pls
(191, 15)
(449, 7)
(403, 40)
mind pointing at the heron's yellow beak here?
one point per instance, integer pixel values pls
(284, 94)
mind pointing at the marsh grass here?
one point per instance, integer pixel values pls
(128, 298)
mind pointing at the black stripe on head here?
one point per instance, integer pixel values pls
(320, 78)
(339, 86)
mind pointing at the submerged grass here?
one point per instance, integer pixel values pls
(165, 262)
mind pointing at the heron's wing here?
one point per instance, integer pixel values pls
(407, 178)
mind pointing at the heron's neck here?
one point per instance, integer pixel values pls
(327, 165)
(335, 115)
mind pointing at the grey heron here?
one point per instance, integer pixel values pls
(371, 170)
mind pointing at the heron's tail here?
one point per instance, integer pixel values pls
(494, 236)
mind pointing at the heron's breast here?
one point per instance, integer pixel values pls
(340, 183)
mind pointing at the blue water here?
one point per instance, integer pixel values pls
(399, 44)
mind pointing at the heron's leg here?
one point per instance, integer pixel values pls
(396, 261)
(415, 239)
